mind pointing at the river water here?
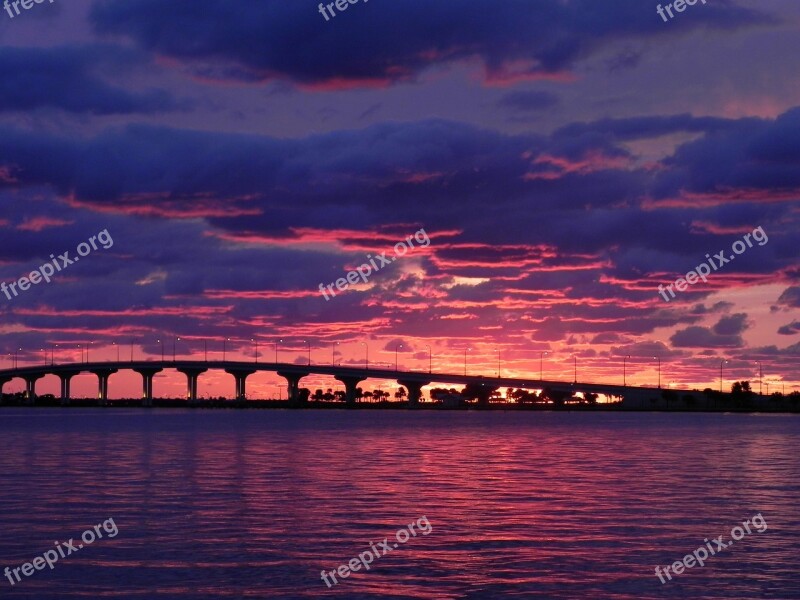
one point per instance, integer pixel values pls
(256, 503)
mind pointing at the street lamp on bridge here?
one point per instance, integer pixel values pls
(366, 363)
(396, 348)
(541, 361)
(760, 377)
(465, 360)
(658, 358)
(333, 353)
(256, 343)
(224, 347)
(309, 351)
(722, 362)
(162, 349)
(624, 374)
(430, 360)
(175, 339)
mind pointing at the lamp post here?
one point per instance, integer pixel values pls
(658, 358)
(430, 359)
(333, 353)
(541, 361)
(87, 351)
(256, 343)
(162, 349)
(205, 350)
(498, 364)
(131, 350)
(366, 363)
(624, 372)
(465, 360)
(767, 384)
(53, 354)
(722, 362)
(117, 345)
(309, 351)
(225, 347)
(175, 339)
(276, 350)
(44, 354)
(575, 368)
(396, 348)
(760, 376)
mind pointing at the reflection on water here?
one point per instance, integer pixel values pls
(234, 504)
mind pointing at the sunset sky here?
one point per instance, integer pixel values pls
(565, 158)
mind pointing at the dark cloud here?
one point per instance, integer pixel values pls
(525, 101)
(792, 328)
(790, 297)
(731, 325)
(69, 78)
(726, 333)
(389, 42)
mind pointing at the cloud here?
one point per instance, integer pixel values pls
(67, 78)
(790, 297)
(384, 43)
(726, 333)
(792, 328)
(527, 101)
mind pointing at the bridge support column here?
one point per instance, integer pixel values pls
(147, 384)
(414, 390)
(293, 385)
(66, 379)
(3, 382)
(102, 384)
(241, 379)
(191, 383)
(350, 385)
(30, 388)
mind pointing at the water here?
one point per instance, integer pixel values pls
(255, 503)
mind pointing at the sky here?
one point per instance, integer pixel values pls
(562, 159)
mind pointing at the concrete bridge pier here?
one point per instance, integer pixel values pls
(102, 384)
(3, 382)
(191, 382)
(30, 388)
(350, 385)
(414, 389)
(241, 376)
(66, 379)
(293, 385)
(147, 383)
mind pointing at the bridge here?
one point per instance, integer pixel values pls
(350, 377)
